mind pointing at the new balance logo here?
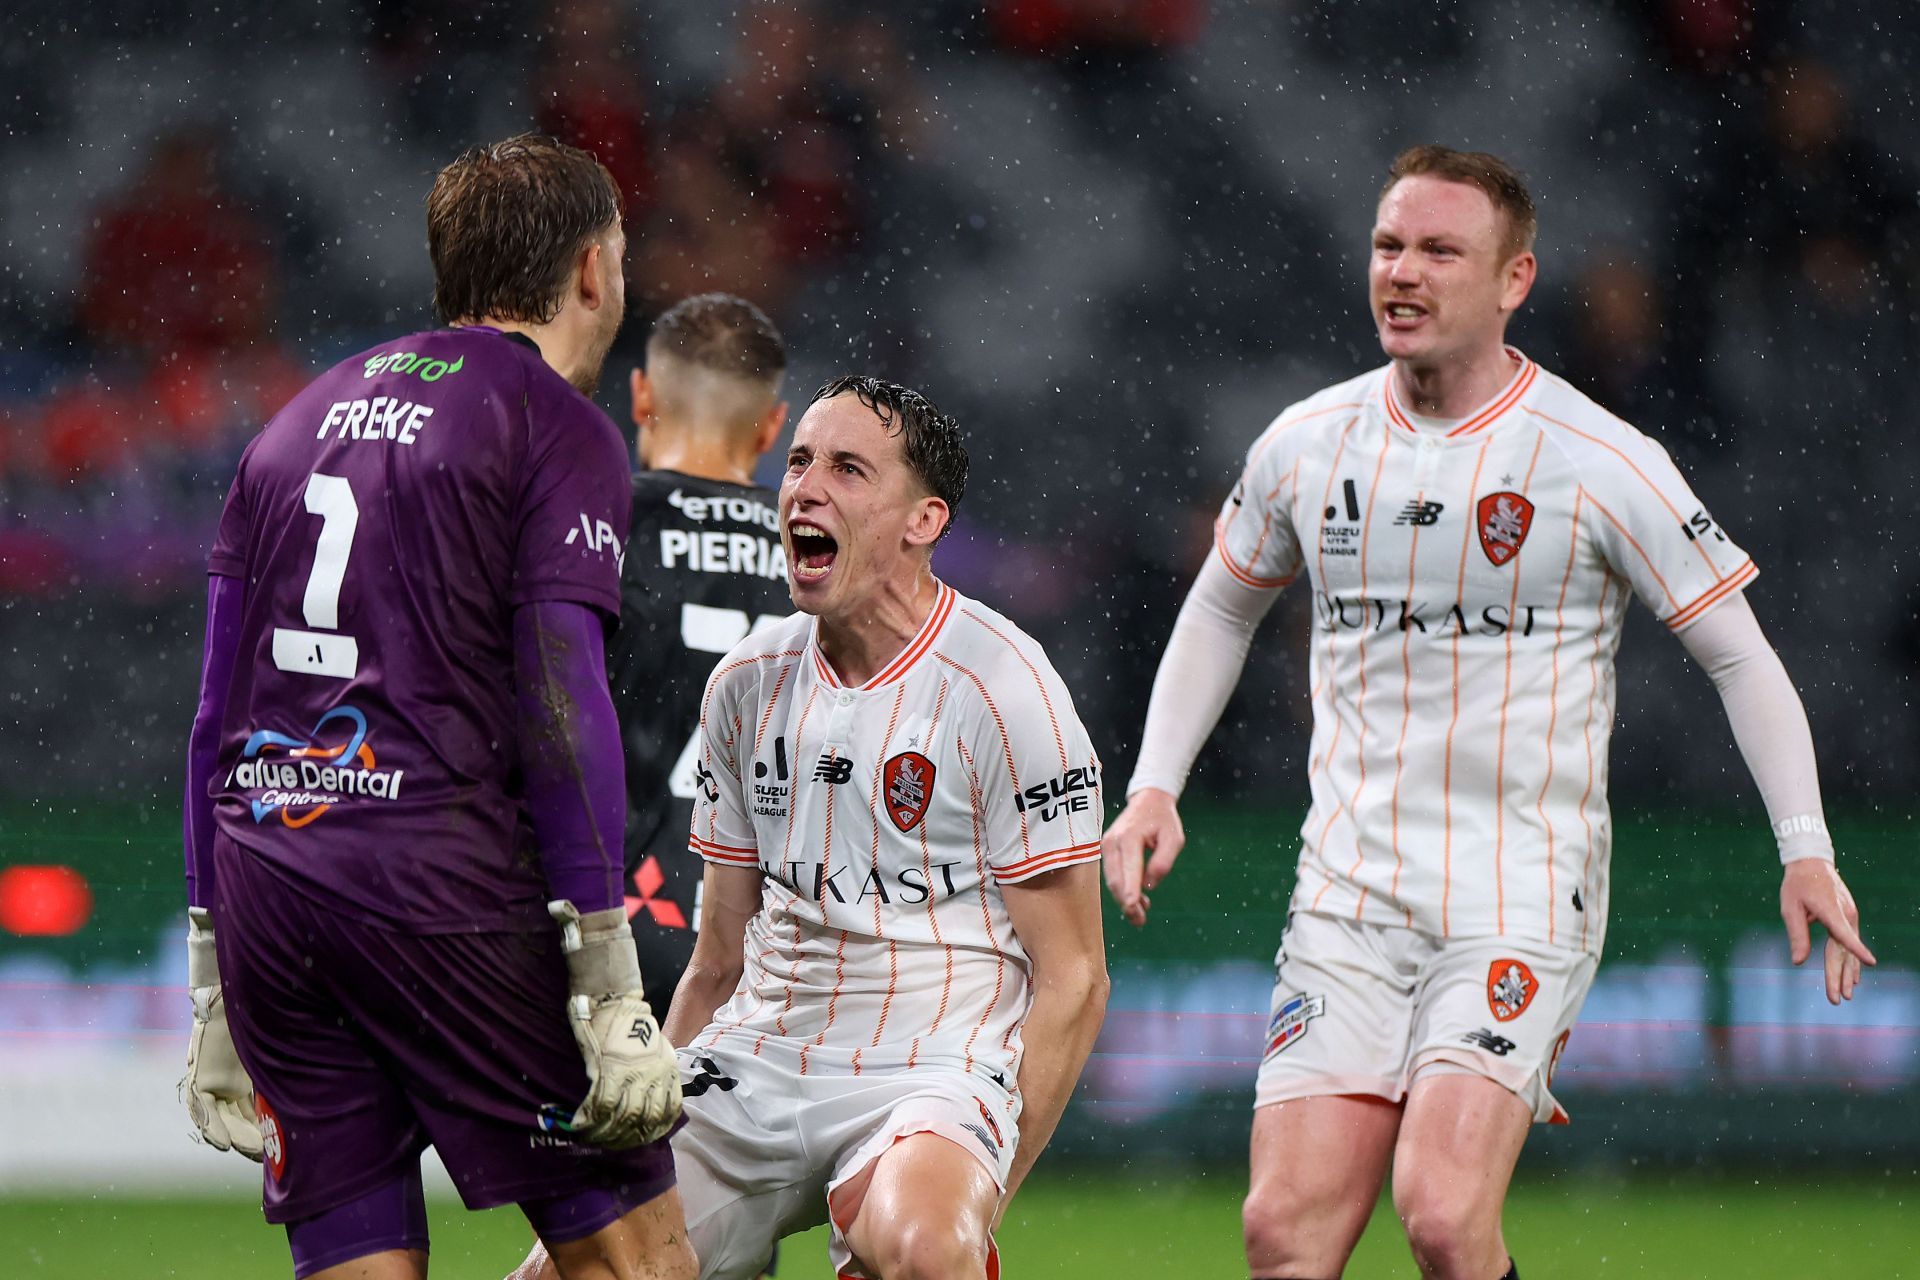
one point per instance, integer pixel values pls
(707, 1077)
(834, 769)
(1420, 513)
(1482, 1038)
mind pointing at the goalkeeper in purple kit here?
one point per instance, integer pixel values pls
(405, 788)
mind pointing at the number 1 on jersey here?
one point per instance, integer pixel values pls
(325, 652)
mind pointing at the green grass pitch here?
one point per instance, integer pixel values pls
(1073, 1225)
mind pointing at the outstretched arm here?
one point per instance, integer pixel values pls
(1770, 726)
(1198, 672)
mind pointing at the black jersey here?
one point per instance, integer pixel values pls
(704, 566)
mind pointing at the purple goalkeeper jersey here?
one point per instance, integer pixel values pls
(386, 524)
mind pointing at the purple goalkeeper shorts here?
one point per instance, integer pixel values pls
(366, 1044)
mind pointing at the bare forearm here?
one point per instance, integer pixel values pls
(1057, 1037)
(703, 988)
(728, 899)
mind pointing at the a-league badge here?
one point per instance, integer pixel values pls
(1289, 1021)
(1503, 520)
(1510, 988)
(906, 783)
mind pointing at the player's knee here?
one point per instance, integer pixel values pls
(1274, 1232)
(1261, 1228)
(1450, 1230)
(919, 1249)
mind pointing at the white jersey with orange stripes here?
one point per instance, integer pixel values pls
(885, 818)
(1468, 593)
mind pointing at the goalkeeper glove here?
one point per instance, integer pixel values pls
(633, 1094)
(219, 1095)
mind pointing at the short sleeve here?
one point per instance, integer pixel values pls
(1254, 535)
(574, 500)
(228, 558)
(1659, 536)
(1039, 777)
(722, 819)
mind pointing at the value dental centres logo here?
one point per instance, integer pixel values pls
(301, 778)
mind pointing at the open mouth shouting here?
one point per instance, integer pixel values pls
(814, 551)
(1401, 314)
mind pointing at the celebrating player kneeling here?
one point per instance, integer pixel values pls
(900, 929)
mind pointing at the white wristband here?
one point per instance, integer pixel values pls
(203, 963)
(1803, 836)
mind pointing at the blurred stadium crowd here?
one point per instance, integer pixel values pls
(1114, 236)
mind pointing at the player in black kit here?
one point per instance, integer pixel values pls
(704, 565)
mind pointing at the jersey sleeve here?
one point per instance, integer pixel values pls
(228, 558)
(722, 813)
(1039, 777)
(1653, 531)
(1254, 536)
(574, 502)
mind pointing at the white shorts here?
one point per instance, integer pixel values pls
(765, 1148)
(1362, 1009)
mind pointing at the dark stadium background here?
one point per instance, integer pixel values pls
(1114, 237)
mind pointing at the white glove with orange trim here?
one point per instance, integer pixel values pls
(218, 1092)
(634, 1091)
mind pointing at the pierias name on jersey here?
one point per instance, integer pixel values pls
(712, 551)
(1422, 617)
(381, 418)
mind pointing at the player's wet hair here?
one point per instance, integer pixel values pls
(1500, 180)
(929, 438)
(721, 332)
(506, 223)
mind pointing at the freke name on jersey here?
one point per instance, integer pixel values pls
(711, 551)
(381, 418)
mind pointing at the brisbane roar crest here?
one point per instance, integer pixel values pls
(906, 786)
(1511, 987)
(1503, 520)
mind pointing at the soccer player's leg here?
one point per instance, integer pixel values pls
(1327, 1097)
(341, 1141)
(744, 1175)
(924, 1208)
(1317, 1166)
(925, 1159)
(1494, 1015)
(630, 1242)
(381, 1235)
(1458, 1144)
